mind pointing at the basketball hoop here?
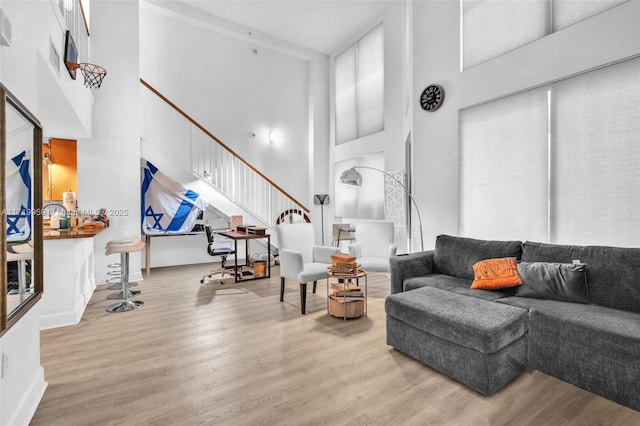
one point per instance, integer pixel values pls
(93, 74)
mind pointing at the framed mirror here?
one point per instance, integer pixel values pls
(21, 200)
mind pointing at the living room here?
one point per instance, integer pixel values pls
(155, 42)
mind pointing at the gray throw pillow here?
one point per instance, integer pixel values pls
(556, 281)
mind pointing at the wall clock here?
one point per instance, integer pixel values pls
(432, 97)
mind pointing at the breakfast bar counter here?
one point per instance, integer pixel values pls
(69, 278)
(61, 234)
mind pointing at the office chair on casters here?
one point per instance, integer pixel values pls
(223, 252)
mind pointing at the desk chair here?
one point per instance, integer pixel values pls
(223, 252)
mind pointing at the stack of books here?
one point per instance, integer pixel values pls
(343, 264)
(346, 290)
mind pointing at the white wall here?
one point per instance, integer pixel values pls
(109, 163)
(602, 39)
(207, 66)
(22, 384)
(217, 79)
(62, 105)
(319, 144)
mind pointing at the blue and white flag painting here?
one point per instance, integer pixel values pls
(18, 207)
(167, 206)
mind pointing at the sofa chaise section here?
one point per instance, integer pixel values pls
(475, 341)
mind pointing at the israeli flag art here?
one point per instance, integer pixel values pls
(18, 207)
(167, 206)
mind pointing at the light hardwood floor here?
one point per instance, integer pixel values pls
(234, 354)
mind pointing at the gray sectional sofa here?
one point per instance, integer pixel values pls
(486, 338)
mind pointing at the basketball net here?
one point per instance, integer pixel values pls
(93, 74)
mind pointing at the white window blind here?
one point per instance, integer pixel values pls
(568, 12)
(370, 83)
(345, 88)
(493, 27)
(503, 168)
(595, 157)
(359, 87)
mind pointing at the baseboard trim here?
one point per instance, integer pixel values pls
(29, 404)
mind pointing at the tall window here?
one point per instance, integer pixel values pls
(595, 157)
(359, 88)
(366, 201)
(492, 27)
(503, 168)
(557, 164)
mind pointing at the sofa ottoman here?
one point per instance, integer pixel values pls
(477, 342)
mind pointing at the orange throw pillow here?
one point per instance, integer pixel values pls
(493, 274)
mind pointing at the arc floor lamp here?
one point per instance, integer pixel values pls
(354, 178)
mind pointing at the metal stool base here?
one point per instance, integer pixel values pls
(118, 295)
(118, 285)
(125, 306)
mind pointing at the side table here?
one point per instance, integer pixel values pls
(343, 305)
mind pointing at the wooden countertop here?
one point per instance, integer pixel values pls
(62, 234)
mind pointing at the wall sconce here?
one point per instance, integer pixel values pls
(272, 136)
(47, 162)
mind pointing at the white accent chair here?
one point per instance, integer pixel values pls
(374, 245)
(301, 259)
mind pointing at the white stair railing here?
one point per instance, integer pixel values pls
(179, 136)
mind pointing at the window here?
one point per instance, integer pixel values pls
(595, 157)
(575, 183)
(503, 168)
(366, 201)
(359, 88)
(569, 12)
(491, 28)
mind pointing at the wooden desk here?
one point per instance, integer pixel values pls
(240, 236)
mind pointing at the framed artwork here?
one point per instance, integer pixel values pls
(70, 54)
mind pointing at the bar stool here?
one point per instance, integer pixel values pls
(21, 253)
(116, 282)
(124, 248)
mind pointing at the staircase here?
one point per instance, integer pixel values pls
(190, 154)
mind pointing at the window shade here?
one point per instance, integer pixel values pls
(595, 157)
(359, 87)
(503, 168)
(568, 12)
(345, 99)
(491, 28)
(370, 83)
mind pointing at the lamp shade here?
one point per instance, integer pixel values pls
(351, 177)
